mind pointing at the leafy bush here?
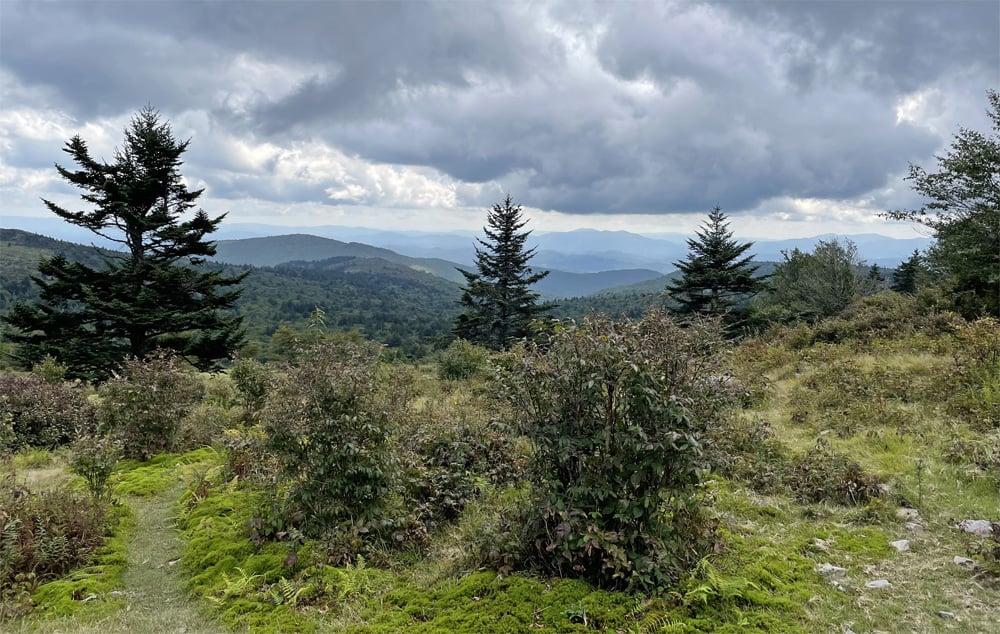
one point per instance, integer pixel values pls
(449, 461)
(981, 453)
(977, 360)
(618, 461)
(50, 370)
(251, 379)
(329, 419)
(747, 451)
(887, 315)
(144, 404)
(43, 414)
(205, 425)
(94, 459)
(248, 456)
(821, 475)
(461, 360)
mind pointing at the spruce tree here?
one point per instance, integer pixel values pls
(715, 277)
(906, 278)
(498, 301)
(151, 294)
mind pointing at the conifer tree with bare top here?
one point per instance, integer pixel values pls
(151, 294)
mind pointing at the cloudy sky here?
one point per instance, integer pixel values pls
(797, 118)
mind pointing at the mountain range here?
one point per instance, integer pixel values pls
(580, 251)
(405, 301)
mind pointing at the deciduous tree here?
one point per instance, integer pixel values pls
(815, 285)
(963, 211)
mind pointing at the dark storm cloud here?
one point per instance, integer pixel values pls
(574, 107)
(887, 46)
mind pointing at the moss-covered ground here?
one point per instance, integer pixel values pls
(133, 583)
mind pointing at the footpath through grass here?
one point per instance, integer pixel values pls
(152, 596)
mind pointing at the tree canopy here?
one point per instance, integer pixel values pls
(153, 293)
(815, 285)
(716, 276)
(497, 298)
(963, 211)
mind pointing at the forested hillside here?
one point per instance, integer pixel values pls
(276, 250)
(387, 302)
(396, 303)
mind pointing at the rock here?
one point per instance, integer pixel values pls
(878, 583)
(964, 561)
(946, 615)
(976, 527)
(901, 544)
(849, 631)
(914, 527)
(904, 513)
(830, 571)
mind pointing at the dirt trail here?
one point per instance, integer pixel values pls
(154, 592)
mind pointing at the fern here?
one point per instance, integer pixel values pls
(285, 592)
(715, 586)
(242, 585)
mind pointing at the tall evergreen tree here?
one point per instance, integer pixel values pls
(907, 276)
(716, 277)
(152, 294)
(498, 301)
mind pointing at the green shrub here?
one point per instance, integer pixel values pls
(821, 475)
(50, 370)
(982, 453)
(205, 425)
(461, 360)
(248, 456)
(329, 419)
(43, 414)
(887, 315)
(144, 404)
(250, 378)
(617, 462)
(747, 451)
(94, 459)
(449, 463)
(8, 439)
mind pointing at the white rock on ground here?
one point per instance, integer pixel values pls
(976, 527)
(830, 571)
(964, 561)
(904, 513)
(878, 583)
(901, 544)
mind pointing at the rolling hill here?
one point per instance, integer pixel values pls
(275, 250)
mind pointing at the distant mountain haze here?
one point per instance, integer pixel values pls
(580, 251)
